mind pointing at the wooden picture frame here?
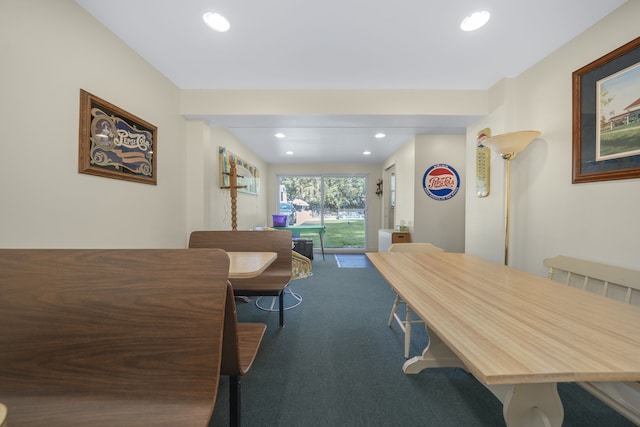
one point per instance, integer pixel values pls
(114, 143)
(248, 178)
(606, 117)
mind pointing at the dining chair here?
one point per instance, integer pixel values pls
(3, 415)
(240, 344)
(274, 280)
(300, 269)
(405, 324)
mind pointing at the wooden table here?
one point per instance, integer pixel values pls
(308, 229)
(517, 333)
(244, 265)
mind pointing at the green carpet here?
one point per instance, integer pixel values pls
(337, 363)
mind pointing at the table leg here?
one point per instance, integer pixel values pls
(524, 405)
(321, 245)
(435, 355)
(530, 405)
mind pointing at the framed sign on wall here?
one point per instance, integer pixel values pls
(247, 174)
(114, 143)
(441, 182)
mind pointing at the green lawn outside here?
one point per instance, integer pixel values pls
(620, 140)
(341, 234)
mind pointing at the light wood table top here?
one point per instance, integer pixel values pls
(244, 265)
(510, 326)
(519, 334)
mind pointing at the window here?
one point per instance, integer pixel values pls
(336, 201)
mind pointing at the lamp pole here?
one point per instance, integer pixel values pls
(507, 203)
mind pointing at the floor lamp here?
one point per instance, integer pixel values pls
(508, 145)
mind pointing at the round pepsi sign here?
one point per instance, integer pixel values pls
(441, 182)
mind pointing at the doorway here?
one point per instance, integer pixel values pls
(390, 197)
(338, 202)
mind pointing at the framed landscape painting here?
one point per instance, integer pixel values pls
(606, 117)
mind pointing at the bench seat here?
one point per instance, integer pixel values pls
(271, 282)
(111, 337)
(609, 281)
(239, 349)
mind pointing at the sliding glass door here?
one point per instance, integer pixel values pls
(336, 201)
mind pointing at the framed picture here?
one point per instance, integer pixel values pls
(606, 117)
(115, 143)
(247, 174)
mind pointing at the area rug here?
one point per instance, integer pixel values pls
(352, 261)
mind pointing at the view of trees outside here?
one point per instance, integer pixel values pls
(338, 202)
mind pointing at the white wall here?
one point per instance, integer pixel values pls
(209, 205)
(550, 215)
(201, 171)
(405, 163)
(50, 50)
(441, 223)
(484, 219)
(347, 102)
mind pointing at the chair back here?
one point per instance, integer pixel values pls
(414, 247)
(230, 364)
(111, 336)
(278, 241)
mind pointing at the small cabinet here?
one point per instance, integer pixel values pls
(400, 237)
(387, 237)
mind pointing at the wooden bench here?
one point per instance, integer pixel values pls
(111, 337)
(612, 282)
(240, 347)
(274, 280)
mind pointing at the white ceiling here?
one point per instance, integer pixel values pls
(343, 44)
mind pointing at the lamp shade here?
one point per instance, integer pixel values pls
(508, 145)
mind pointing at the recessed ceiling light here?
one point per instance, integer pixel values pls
(279, 135)
(380, 135)
(289, 153)
(475, 20)
(216, 22)
(366, 153)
